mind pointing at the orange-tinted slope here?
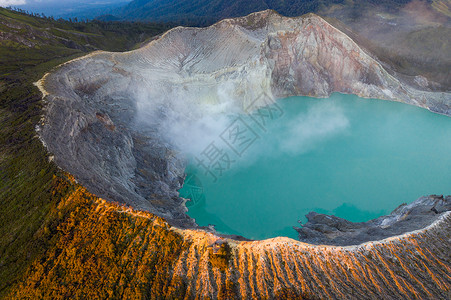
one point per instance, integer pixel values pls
(105, 250)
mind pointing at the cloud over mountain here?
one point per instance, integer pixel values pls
(6, 3)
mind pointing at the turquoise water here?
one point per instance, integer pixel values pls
(352, 157)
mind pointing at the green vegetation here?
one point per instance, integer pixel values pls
(27, 41)
(30, 46)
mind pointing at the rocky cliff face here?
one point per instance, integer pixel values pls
(108, 114)
(331, 230)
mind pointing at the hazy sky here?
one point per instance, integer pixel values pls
(53, 2)
(11, 2)
(87, 8)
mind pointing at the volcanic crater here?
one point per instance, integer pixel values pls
(109, 116)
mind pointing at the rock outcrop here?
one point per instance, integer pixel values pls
(107, 114)
(331, 230)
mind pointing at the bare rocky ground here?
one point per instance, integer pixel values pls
(323, 229)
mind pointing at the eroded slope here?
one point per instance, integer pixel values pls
(105, 250)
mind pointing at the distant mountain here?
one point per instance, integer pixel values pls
(209, 11)
(203, 12)
(80, 9)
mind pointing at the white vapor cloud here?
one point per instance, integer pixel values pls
(321, 122)
(191, 120)
(188, 125)
(300, 133)
(6, 3)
